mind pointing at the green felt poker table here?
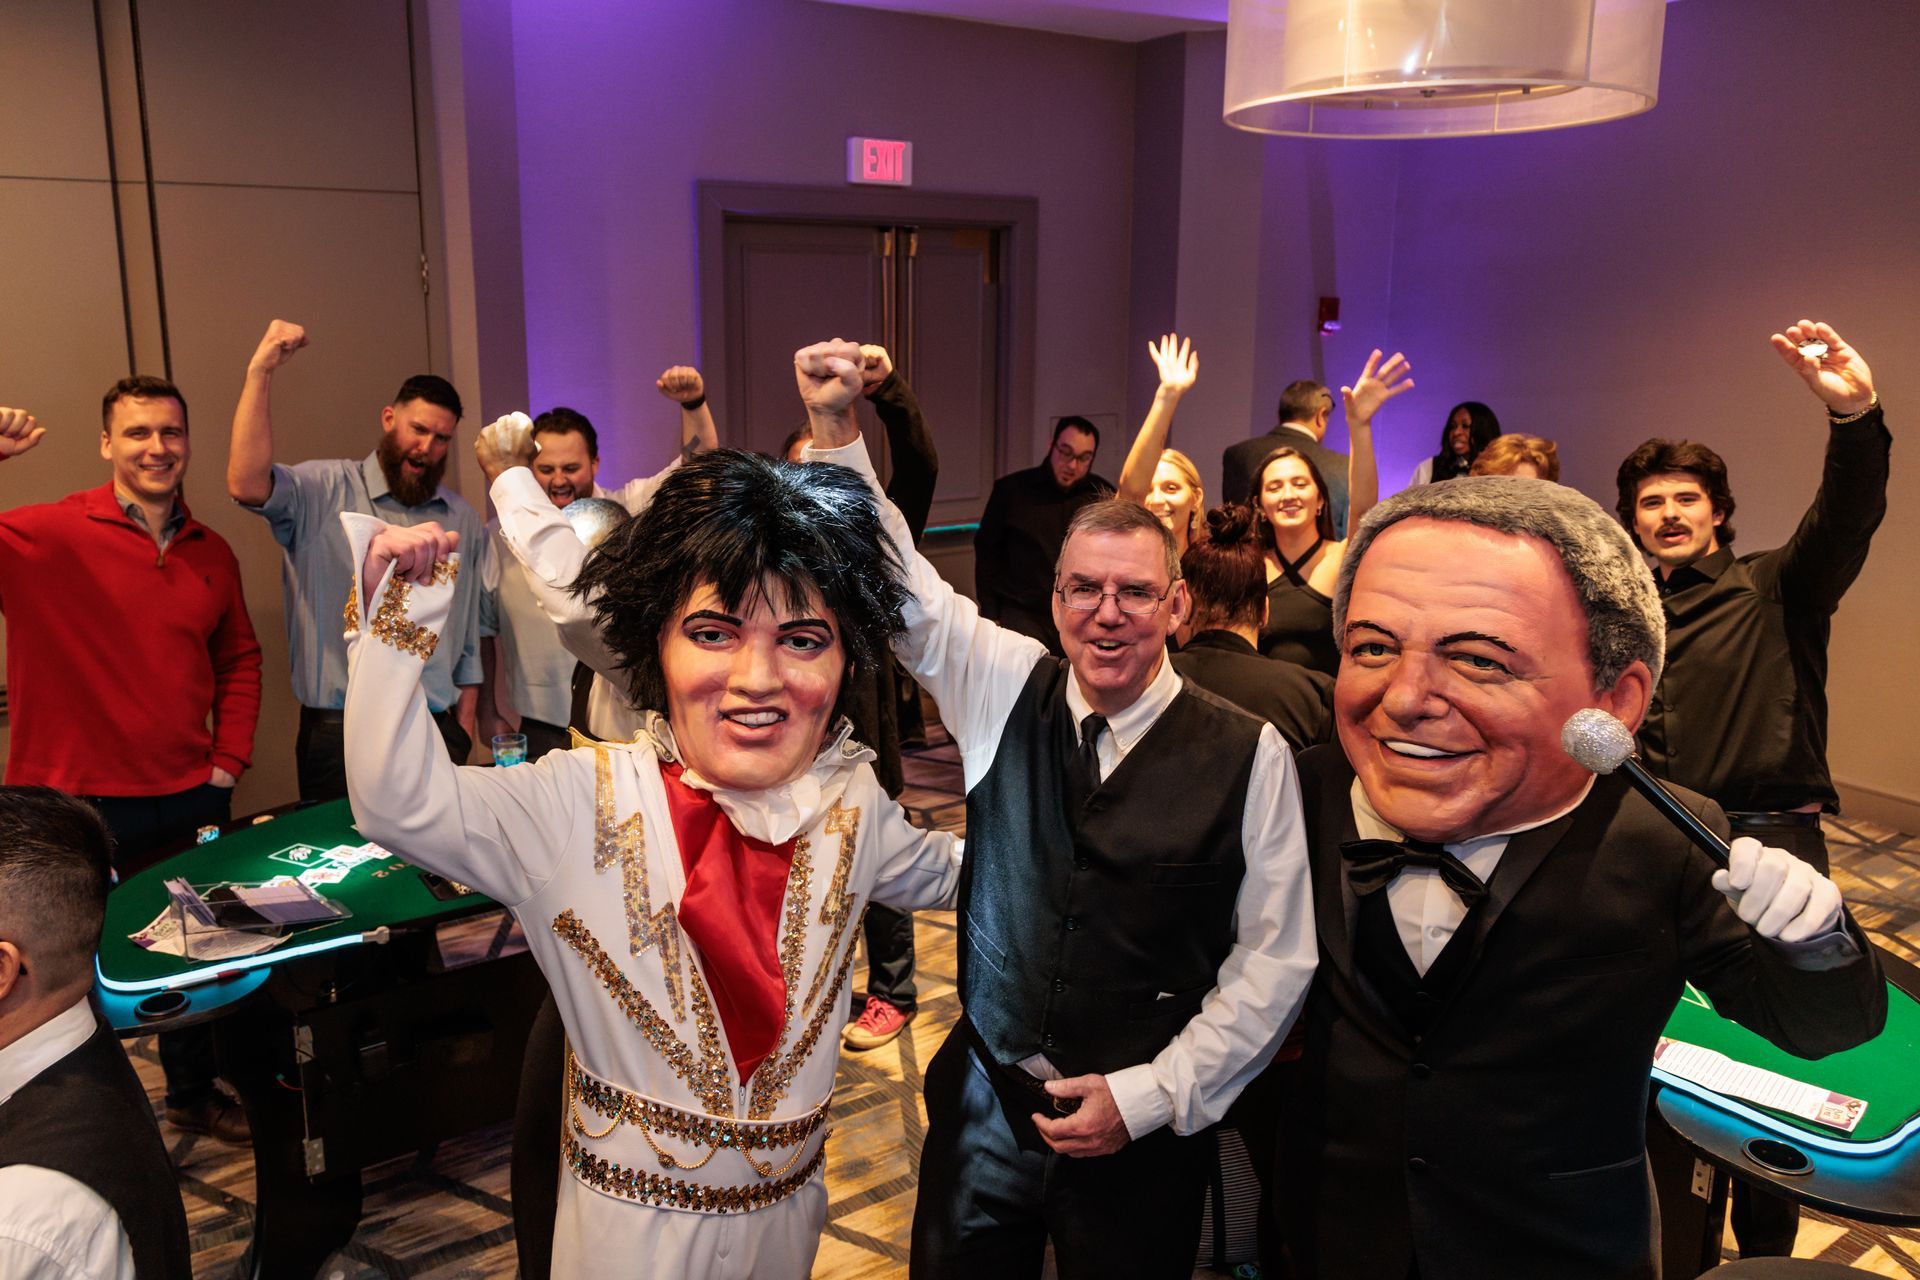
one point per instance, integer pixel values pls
(1871, 1174)
(382, 893)
(349, 1042)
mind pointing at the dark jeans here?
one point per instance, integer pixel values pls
(890, 956)
(992, 1193)
(1765, 1223)
(320, 751)
(145, 830)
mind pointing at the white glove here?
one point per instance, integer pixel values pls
(1779, 895)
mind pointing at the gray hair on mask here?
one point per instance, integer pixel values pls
(1625, 623)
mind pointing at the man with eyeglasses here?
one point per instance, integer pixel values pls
(1023, 526)
(1135, 931)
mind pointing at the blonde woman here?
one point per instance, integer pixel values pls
(1164, 480)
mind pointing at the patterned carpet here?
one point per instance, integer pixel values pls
(445, 1215)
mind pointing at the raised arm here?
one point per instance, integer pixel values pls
(499, 830)
(916, 462)
(1829, 548)
(1178, 370)
(1377, 384)
(973, 668)
(683, 385)
(250, 454)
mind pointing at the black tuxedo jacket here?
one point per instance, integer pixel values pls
(1509, 1141)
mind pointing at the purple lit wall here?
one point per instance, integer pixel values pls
(623, 106)
(1606, 284)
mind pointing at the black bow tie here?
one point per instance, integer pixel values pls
(1372, 865)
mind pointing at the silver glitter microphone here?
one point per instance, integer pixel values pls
(1600, 743)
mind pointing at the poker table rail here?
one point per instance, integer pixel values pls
(382, 896)
(1884, 1072)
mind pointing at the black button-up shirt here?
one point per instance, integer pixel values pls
(1741, 711)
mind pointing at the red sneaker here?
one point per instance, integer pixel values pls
(877, 1024)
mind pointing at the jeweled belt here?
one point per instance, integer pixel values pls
(619, 1106)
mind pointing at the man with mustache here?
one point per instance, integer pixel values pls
(1741, 714)
(400, 483)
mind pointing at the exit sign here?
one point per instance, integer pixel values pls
(880, 160)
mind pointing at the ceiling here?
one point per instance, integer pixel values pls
(1129, 20)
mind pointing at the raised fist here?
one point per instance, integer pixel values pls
(19, 432)
(828, 374)
(412, 551)
(876, 366)
(505, 442)
(277, 347)
(681, 383)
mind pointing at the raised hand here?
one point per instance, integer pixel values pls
(876, 366)
(1377, 384)
(505, 442)
(19, 432)
(277, 347)
(828, 375)
(411, 551)
(1776, 893)
(1840, 377)
(1178, 367)
(682, 383)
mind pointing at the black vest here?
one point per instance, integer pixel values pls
(86, 1116)
(1093, 936)
(1413, 997)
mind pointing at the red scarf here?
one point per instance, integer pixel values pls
(730, 912)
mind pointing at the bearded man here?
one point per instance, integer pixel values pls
(400, 483)
(693, 896)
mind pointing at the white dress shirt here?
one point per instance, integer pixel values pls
(1426, 913)
(976, 671)
(53, 1227)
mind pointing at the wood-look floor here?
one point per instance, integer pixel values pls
(447, 1216)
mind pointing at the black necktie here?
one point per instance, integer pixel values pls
(1087, 759)
(1372, 865)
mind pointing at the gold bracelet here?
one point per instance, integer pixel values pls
(1853, 417)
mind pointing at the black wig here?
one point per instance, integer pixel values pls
(744, 523)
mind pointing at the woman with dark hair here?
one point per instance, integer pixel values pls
(1469, 428)
(1226, 577)
(693, 896)
(1296, 533)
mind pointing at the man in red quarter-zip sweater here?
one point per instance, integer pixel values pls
(133, 675)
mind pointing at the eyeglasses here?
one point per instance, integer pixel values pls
(1065, 453)
(1088, 596)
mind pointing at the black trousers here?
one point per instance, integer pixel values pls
(992, 1193)
(320, 751)
(1766, 1223)
(145, 830)
(890, 956)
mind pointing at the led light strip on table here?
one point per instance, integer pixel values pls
(1803, 1137)
(215, 972)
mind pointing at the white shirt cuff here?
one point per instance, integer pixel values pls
(1142, 1104)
